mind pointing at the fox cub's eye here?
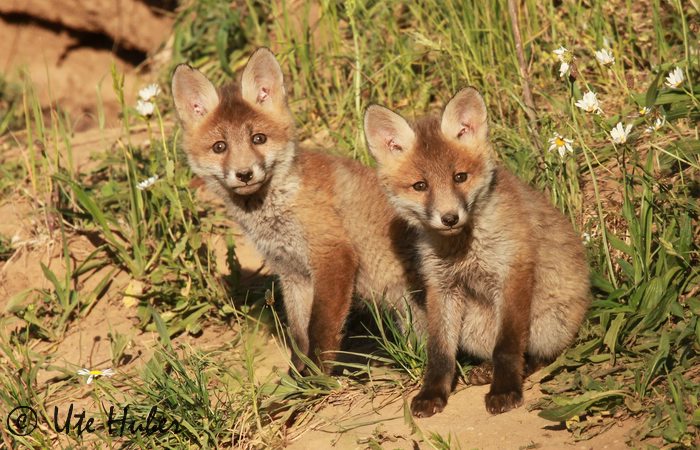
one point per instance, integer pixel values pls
(420, 186)
(259, 138)
(460, 177)
(219, 147)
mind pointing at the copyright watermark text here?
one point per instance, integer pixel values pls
(23, 420)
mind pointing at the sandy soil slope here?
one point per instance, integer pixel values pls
(76, 42)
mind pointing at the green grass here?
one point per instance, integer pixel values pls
(6, 249)
(637, 353)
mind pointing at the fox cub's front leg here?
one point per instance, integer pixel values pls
(444, 324)
(509, 353)
(334, 279)
(298, 297)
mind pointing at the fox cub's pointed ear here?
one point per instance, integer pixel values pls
(465, 118)
(388, 134)
(262, 83)
(194, 95)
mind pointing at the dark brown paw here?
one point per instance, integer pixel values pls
(481, 374)
(501, 402)
(303, 372)
(425, 404)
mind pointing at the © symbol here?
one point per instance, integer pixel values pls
(21, 421)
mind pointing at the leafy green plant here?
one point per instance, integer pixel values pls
(10, 99)
(119, 344)
(63, 302)
(398, 341)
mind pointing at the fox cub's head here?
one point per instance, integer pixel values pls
(236, 136)
(435, 171)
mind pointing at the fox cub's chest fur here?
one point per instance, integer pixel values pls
(272, 225)
(474, 265)
(463, 271)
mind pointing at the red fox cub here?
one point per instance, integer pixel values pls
(322, 223)
(506, 275)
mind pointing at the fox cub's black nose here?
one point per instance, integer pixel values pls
(244, 175)
(449, 219)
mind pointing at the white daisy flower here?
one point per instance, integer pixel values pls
(149, 92)
(560, 144)
(148, 182)
(589, 103)
(561, 52)
(92, 374)
(145, 108)
(564, 69)
(644, 110)
(565, 58)
(675, 78)
(619, 134)
(605, 57)
(586, 238)
(658, 123)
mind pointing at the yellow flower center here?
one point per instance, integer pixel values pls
(559, 142)
(95, 372)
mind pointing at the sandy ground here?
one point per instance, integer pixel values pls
(67, 51)
(465, 422)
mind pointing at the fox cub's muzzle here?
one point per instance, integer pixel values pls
(448, 214)
(246, 180)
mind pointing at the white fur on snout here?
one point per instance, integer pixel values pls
(258, 176)
(436, 218)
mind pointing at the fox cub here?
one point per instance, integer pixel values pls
(322, 223)
(506, 275)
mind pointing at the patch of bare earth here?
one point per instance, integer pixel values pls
(67, 48)
(359, 421)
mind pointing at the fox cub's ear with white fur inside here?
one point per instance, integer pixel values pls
(507, 279)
